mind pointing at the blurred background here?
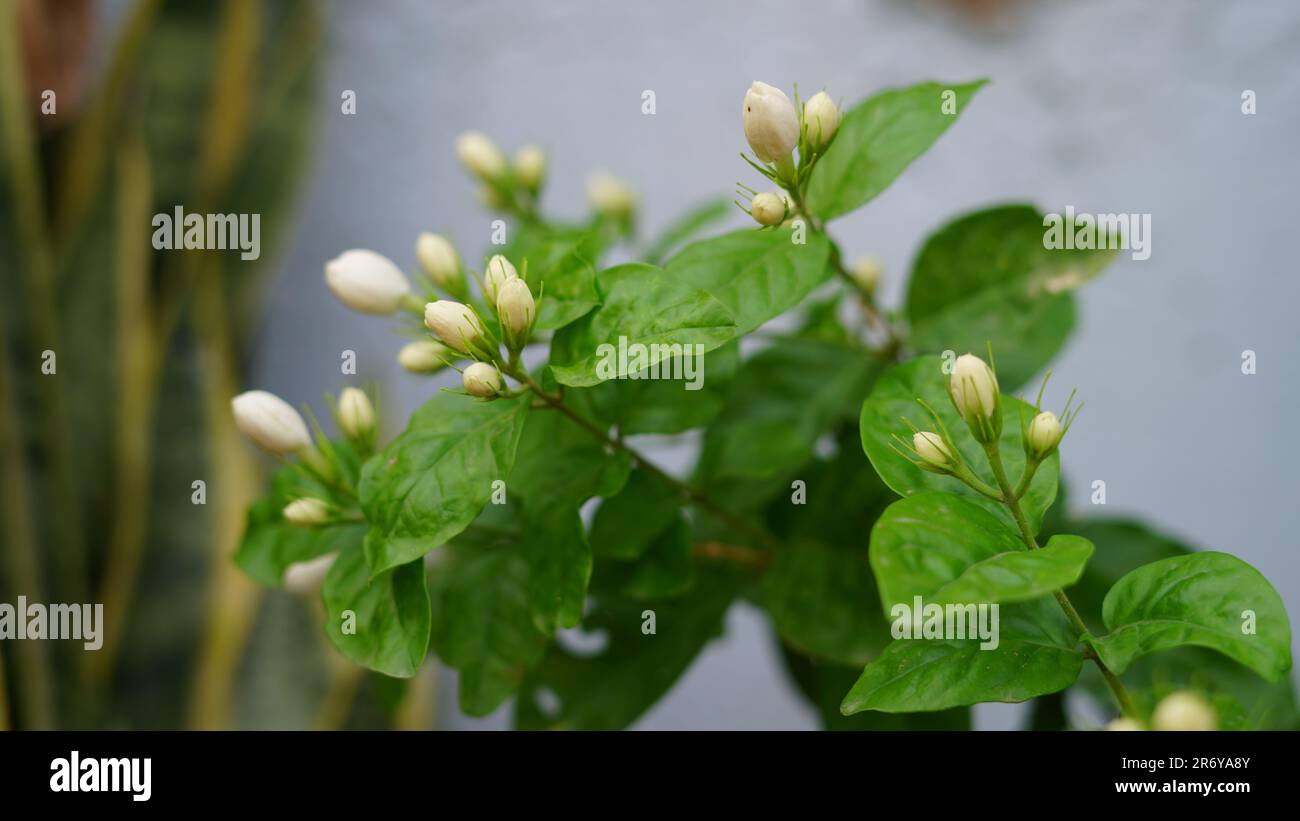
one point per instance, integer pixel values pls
(237, 107)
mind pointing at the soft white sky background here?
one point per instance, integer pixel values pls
(1107, 106)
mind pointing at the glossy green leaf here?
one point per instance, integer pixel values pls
(434, 478)
(381, 623)
(784, 399)
(961, 553)
(758, 275)
(878, 138)
(1209, 599)
(894, 397)
(483, 623)
(641, 306)
(693, 222)
(625, 525)
(610, 688)
(986, 278)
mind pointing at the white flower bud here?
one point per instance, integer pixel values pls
(930, 447)
(768, 208)
(305, 578)
(482, 380)
(455, 324)
(1044, 433)
(974, 390)
(424, 356)
(771, 123)
(366, 281)
(480, 155)
(530, 166)
(821, 118)
(307, 512)
(498, 271)
(866, 273)
(1123, 725)
(356, 414)
(439, 260)
(1183, 711)
(516, 308)
(609, 195)
(270, 422)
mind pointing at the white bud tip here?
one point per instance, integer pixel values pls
(453, 323)
(424, 356)
(974, 387)
(437, 257)
(482, 380)
(1044, 432)
(480, 155)
(270, 421)
(866, 272)
(1123, 725)
(305, 578)
(930, 447)
(356, 413)
(771, 124)
(498, 271)
(1183, 711)
(530, 166)
(768, 208)
(609, 195)
(306, 512)
(515, 306)
(366, 281)
(821, 118)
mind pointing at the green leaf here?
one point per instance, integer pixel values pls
(824, 685)
(644, 405)
(434, 478)
(757, 275)
(558, 467)
(785, 397)
(1122, 546)
(688, 225)
(610, 689)
(381, 623)
(664, 570)
(986, 278)
(877, 139)
(641, 306)
(894, 397)
(625, 525)
(823, 601)
(1202, 600)
(483, 622)
(961, 553)
(561, 271)
(270, 544)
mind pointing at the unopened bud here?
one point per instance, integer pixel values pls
(424, 356)
(356, 414)
(1183, 711)
(305, 578)
(498, 271)
(456, 325)
(440, 261)
(610, 196)
(307, 512)
(768, 208)
(866, 273)
(480, 155)
(516, 309)
(366, 281)
(930, 447)
(530, 167)
(270, 421)
(1044, 433)
(974, 390)
(771, 123)
(482, 380)
(821, 118)
(1123, 725)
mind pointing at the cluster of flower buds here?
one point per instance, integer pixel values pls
(504, 185)
(273, 424)
(774, 127)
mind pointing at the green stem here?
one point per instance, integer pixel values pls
(1012, 502)
(688, 492)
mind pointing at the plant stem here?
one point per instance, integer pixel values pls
(1012, 502)
(688, 492)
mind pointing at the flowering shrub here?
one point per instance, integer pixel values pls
(934, 572)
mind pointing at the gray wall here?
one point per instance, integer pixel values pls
(1107, 106)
